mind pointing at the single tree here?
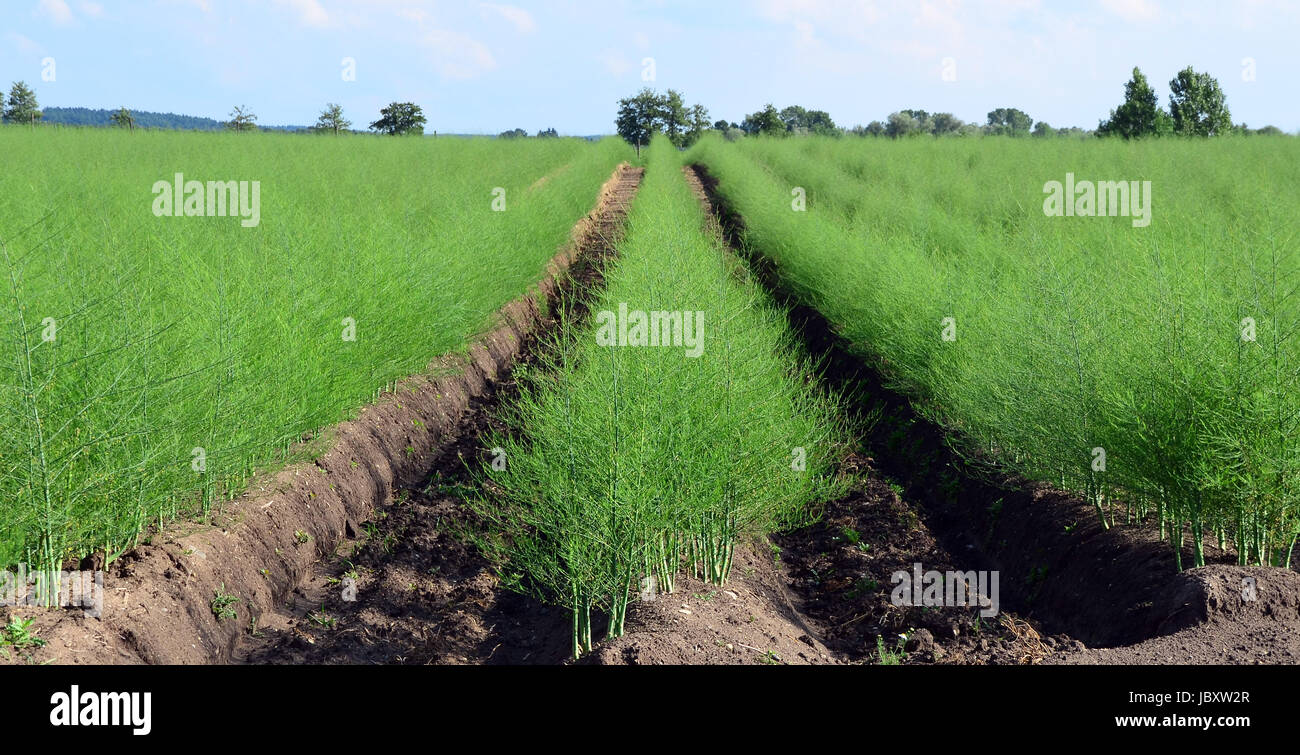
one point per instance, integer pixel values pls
(549, 133)
(241, 119)
(1042, 129)
(123, 119)
(1197, 105)
(1140, 113)
(331, 119)
(875, 128)
(640, 117)
(22, 106)
(400, 118)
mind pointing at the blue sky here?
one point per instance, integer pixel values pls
(484, 67)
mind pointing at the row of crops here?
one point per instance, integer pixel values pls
(679, 418)
(1154, 369)
(152, 357)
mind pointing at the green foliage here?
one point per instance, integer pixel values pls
(640, 117)
(123, 119)
(636, 460)
(1198, 105)
(17, 633)
(242, 119)
(223, 604)
(22, 107)
(80, 116)
(400, 119)
(802, 121)
(175, 333)
(647, 113)
(1009, 122)
(1072, 334)
(766, 122)
(331, 119)
(890, 656)
(1139, 115)
(903, 124)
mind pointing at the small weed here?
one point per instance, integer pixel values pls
(223, 605)
(18, 634)
(864, 586)
(322, 619)
(890, 657)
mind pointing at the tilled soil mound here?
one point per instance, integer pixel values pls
(750, 620)
(1218, 614)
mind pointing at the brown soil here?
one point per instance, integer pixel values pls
(750, 620)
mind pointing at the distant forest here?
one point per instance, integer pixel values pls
(81, 116)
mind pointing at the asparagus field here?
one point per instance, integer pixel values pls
(643, 382)
(179, 309)
(1116, 318)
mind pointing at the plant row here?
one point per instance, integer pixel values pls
(151, 361)
(639, 449)
(1152, 369)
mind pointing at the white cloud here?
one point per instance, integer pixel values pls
(309, 12)
(1133, 11)
(614, 62)
(458, 56)
(521, 19)
(853, 19)
(25, 45)
(55, 10)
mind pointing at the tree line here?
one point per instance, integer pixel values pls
(1197, 107)
(398, 118)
